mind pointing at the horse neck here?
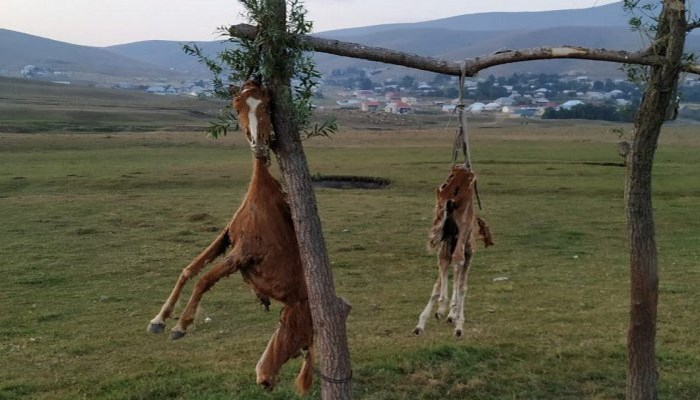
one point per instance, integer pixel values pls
(262, 181)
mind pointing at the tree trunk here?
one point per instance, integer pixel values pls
(641, 360)
(328, 312)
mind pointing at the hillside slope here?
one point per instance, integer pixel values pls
(167, 54)
(454, 38)
(65, 61)
(607, 15)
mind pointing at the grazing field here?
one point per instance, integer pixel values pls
(96, 227)
(30, 107)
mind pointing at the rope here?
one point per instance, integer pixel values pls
(333, 380)
(462, 136)
(463, 118)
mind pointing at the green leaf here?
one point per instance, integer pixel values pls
(261, 56)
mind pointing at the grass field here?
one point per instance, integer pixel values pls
(96, 227)
(32, 106)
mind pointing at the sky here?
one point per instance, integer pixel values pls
(106, 23)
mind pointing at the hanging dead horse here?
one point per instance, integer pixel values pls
(264, 250)
(455, 231)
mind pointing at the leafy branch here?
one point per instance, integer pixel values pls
(644, 19)
(259, 57)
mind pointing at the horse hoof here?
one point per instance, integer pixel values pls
(174, 334)
(458, 333)
(418, 331)
(438, 316)
(450, 320)
(156, 328)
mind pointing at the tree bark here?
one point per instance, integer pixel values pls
(328, 312)
(642, 375)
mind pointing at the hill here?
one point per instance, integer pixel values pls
(167, 55)
(474, 35)
(454, 38)
(62, 61)
(607, 15)
(456, 45)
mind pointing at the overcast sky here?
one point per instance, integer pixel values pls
(109, 22)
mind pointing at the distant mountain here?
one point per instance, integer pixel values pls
(607, 15)
(474, 35)
(167, 54)
(453, 38)
(64, 61)
(457, 45)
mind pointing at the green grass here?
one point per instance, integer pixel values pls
(33, 107)
(95, 229)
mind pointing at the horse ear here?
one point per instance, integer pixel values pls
(233, 90)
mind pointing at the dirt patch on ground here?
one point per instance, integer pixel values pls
(349, 182)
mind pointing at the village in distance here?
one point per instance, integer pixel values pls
(548, 96)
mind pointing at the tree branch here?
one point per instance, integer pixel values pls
(471, 65)
(693, 25)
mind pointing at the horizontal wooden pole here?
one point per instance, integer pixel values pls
(471, 66)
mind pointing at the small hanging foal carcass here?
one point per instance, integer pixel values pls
(263, 249)
(454, 232)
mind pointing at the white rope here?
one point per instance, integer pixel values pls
(461, 136)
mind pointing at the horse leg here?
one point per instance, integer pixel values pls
(293, 334)
(230, 265)
(437, 295)
(444, 260)
(460, 286)
(454, 301)
(218, 246)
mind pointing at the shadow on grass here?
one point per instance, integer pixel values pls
(349, 182)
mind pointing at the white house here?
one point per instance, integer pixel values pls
(568, 105)
(349, 103)
(492, 107)
(505, 101)
(508, 109)
(397, 107)
(156, 89)
(476, 107)
(613, 94)
(595, 95)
